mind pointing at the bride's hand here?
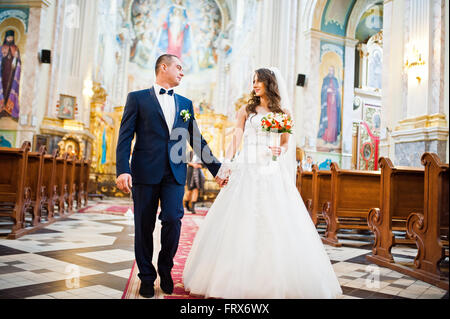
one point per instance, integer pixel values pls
(276, 151)
(224, 170)
(221, 182)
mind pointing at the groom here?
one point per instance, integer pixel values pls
(158, 167)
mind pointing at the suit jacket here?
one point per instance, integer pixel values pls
(154, 147)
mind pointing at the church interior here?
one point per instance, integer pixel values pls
(368, 80)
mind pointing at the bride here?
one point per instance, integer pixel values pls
(257, 240)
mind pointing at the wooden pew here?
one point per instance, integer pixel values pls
(401, 191)
(82, 194)
(79, 163)
(14, 195)
(33, 181)
(321, 193)
(69, 181)
(353, 194)
(86, 170)
(429, 228)
(304, 186)
(60, 183)
(49, 191)
(82, 174)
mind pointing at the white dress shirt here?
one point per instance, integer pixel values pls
(167, 103)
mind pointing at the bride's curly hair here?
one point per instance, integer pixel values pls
(267, 77)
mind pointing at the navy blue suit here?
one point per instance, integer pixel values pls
(158, 170)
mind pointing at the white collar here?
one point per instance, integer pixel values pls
(159, 87)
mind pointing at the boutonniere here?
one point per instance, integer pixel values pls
(185, 115)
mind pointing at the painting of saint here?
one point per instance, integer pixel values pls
(145, 23)
(142, 52)
(67, 106)
(10, 67)
(176, 34)
(184, 28)
(330, 113)
(375, 69)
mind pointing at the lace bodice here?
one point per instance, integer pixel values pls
(255, 149)
(253, 134)
(255, 142)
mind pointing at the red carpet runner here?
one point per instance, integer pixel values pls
(188, 231)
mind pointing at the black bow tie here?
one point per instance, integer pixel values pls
(163, 91)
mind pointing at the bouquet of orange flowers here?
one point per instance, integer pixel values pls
(276, 123)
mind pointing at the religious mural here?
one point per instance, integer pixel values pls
(112, 42)
(371, 22)
(10, 69)
(185, 28)
(375, 68)
(331, 73)
(369, 32)
(335, 16)
(13, 28)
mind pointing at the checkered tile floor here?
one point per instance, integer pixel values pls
(90, 255)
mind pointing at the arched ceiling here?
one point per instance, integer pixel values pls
(335, 16)
(343, 17)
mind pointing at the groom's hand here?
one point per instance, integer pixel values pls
(221, 182)
(224, 182)
(124, 183)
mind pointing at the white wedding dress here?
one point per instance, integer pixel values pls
(257, 240)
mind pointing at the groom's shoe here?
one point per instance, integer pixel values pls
(146, 290)
(166, 284)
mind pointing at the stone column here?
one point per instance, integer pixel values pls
(308, 116)
(387, 96)
(424, 126)
(446, 69)
(347, 103)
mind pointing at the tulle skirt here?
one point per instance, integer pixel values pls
(258, 241)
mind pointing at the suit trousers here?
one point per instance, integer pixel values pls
(146, 198)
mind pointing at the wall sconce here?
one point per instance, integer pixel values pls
(87, 90)
(414, 61)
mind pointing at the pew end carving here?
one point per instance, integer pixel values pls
(401, 191)
(429, 228)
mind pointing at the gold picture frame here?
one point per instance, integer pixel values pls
(67, 105)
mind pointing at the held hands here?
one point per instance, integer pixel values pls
(223, 174)
(124, 183)
(221, 182)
